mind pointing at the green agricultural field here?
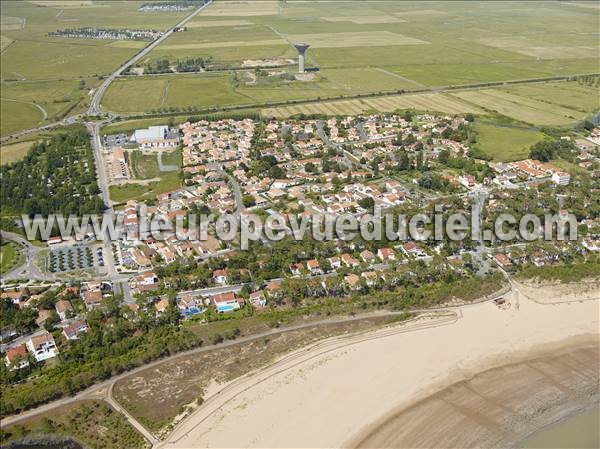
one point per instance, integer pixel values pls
(505, 142)
(46, 70)
(379, 46)
(207, 90)
(164, 92)
(422, 102)
(17, 115)
(515, 103)
(53, 99)
(570, 95)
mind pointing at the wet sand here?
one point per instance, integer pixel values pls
(498, 407)
(351, 393)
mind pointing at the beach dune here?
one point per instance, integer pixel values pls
(481, 372)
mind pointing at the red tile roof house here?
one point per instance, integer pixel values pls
(313, 266)
(92, 298)
(16, 358)
(274, 289)
(296, 269)
(353, 281)
(386, 254)
(349, 261)
(412, 249)
(161, 305)
(367, 256)
(335, 262)
(220, 277)
(145, 282)
(258, 300)
(72, 331)
(15, 296)
(226, 302)
(42, 347)
(62, 307)
(502, 260)
(370, 277)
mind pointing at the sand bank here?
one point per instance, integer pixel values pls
(342, 391)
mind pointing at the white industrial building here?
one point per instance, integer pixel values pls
(156, 138)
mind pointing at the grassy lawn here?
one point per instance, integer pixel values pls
(125, 192)
(505, 142)
(144, 166)
(10, 256)
(93, 423)
(172, 158)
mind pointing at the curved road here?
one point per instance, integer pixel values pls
(27, 270)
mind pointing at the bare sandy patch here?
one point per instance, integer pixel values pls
(5, 41)
(520, 44)
(218, 23)
(422, 12)
(338, 388)
(362, 20)
(128, 44)
(14, 152)
(10, 23)
(359, 39)
(225, 44)
(559, 52)
(62, 3)
(590, 4)
(242, 9)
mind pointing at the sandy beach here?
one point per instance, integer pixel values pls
(358, 390)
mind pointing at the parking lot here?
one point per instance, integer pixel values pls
(115, 140)
(73, 258)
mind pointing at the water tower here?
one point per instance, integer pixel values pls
(301, 47)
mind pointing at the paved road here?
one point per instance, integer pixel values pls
(95, 108)
(237, 193)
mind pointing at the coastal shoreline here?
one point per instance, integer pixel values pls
(341, 395)
(508, 425)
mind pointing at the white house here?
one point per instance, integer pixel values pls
(42, 347)
(561, 178)
(220, 277)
